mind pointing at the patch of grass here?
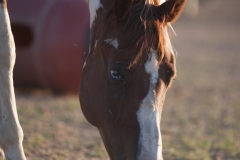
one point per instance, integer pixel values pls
(55, 128)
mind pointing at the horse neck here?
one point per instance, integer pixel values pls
(97, 9)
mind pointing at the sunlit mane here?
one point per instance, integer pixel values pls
(154, 2)
(168, 45)
(145, 32)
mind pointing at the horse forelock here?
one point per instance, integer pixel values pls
(141, 30)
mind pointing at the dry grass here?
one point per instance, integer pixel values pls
(201, 117)
(56, 129)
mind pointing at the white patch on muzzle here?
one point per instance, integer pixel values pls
(150, 141)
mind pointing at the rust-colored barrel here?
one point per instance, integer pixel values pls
(51, 39)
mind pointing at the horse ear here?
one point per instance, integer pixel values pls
(170, 10)
(121, 9)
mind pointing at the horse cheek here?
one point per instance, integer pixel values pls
(93, 92)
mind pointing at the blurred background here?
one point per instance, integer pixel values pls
(51, 41)
(202, 109)
(201, 116)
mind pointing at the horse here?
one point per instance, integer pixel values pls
(11, 133)
(129, 68)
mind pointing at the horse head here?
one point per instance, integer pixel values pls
(129, 68)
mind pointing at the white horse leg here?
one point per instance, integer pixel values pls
(11, 134)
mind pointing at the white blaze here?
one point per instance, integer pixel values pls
(94, 5)
(150, 141)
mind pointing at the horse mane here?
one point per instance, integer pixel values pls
(145, 31)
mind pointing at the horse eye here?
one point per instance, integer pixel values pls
(116, 74)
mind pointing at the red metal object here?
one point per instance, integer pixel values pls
(51, 38)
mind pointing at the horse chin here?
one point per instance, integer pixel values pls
(121, 142)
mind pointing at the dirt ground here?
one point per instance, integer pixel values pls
(201, 117)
